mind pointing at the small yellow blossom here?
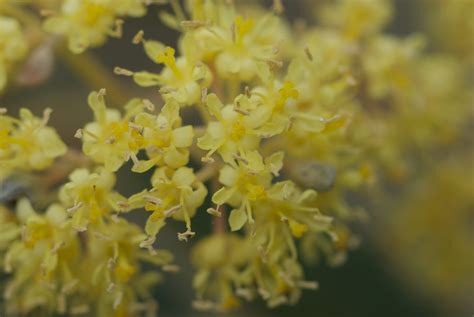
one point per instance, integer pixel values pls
(166, 142)
(235, 133)
(27, 143)
(89, 197)
(111, 139)
(89, 22)
(181, 79)
(174, 194)
(13, 47)
(44, 260)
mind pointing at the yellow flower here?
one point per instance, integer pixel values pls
(112, 139)
(90, 197)
(234, 135)
(166, 142)
(218, 271)
(235, 44)
(181, 79)
(244, 188)
(89, 22)
(44, 261)
(12, 48)
(110, 272)
(27, 143)
(277, 107)
(357, 19)
(174, 193)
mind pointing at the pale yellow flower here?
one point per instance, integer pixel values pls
(27, 143)
(112, 139)
(181, 79)
(89, 22)
(13, 47)
(174, 194)
(166, 142)
(90, 197)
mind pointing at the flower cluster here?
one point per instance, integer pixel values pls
(88, 22)
(27, 143)
(271, 125)
(13, 46)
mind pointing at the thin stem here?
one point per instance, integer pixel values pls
(207, 172)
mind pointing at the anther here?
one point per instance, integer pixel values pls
(123, 71)
(118, 32)
(193, 24)
(169, 212)
(203, 95)
(207, 159)
(102, 92)
(214, 211)
(74, 208)
(312, 285)
(148, 105)
(138, 38)
(79, 134)
(153, 200)
(46, 115)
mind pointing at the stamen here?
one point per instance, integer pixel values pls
(194, 24)
(207, 159)
(214, 211)
(74, 208)
(244, 293)
(57, 246)
(118, 300)
(241, 159)
(240, 110)
(185, 235)
(118, 32)
(134, 158)
(167, 90)
(123, 71)
(148, 105)
(46, 116)
(102, 92)
(203, 95)
(169, 212)
(312, 285)
(138, 38)
(152, 199)
(79, 134)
